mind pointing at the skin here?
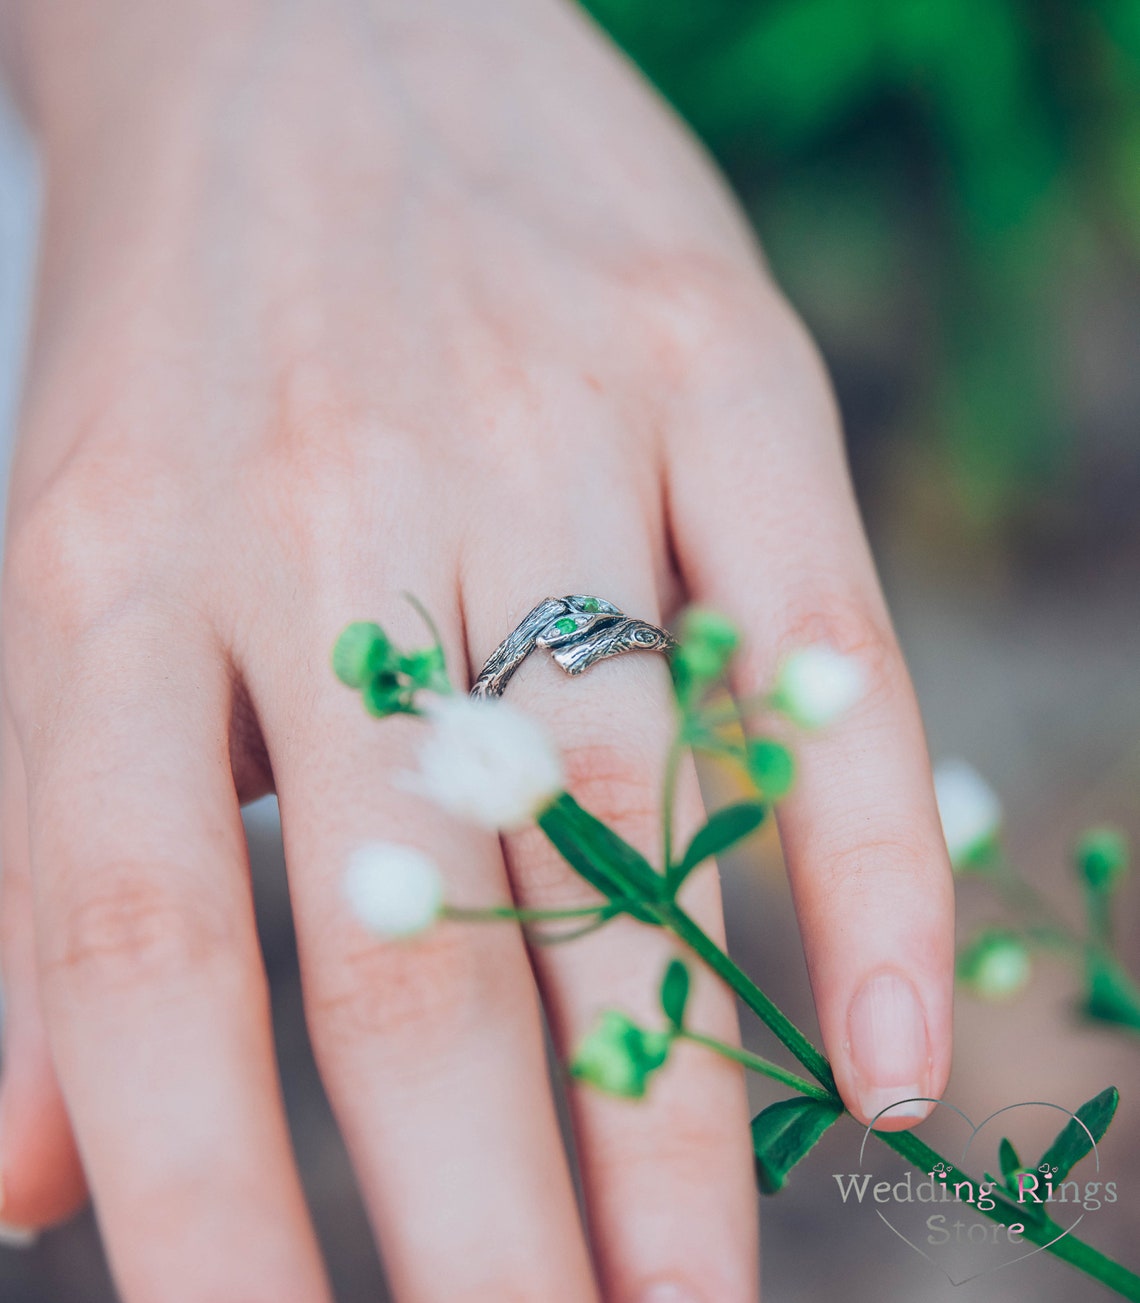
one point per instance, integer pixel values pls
(338, 300)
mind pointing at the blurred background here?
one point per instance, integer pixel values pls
(949, 191)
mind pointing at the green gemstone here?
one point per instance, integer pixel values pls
(565, 625)
(591, 605)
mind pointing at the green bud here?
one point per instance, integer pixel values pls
(771, 767)
(995, 965)
(707, 642)
(1102, 857)
(385, 695)
(361, 651)
(618, 1057)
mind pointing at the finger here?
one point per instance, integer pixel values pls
(668, 1180)
(154, 994)
(430, 1048)
(767, 531)
(41, 1180)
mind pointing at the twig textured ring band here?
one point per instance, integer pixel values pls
(578, 631)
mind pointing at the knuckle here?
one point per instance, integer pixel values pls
(85, 546)
(424, 987)
(121, 929)
(679, 1142)
(850, 624)
(319, 489)
(612, 782)
(868, 868)
(543, 880)
(708, 320)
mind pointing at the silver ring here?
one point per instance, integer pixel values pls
(578, 631)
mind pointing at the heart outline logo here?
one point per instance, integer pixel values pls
(974, 1129)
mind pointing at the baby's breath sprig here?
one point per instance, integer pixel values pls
(997, 962)
(388, 680)
(487, 763)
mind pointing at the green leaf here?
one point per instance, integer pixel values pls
(1072, 1142)
(595, 852)
(786, 1132)
(1010, 1162)
(724, 829)
(675, 992)
(1112, 995)
(426, 668)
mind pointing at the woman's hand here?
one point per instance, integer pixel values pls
(338, 301)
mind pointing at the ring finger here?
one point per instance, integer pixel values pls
(668, 1180)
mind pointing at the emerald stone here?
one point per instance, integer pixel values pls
(565, 625)
(591, 605)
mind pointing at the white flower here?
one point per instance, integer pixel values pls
(995, 965)
(817, 684)
(395, 891)
(1002, 972)
(969, 809)
(487, 762)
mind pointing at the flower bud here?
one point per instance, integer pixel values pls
(384, 695)
(995, 965)
(817, 685)
(618, 1057)
(970, 812)
(426, 669)
(771, 767)
(1102, 857)
(395, 891)
(708, 640)
(361, 651)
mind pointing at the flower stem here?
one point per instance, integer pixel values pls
(685, 929)
(905, 1143)
(494, 913)
(754, 1063)
(672, 769)
(1046, 1233)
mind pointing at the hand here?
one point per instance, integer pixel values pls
(337, 302)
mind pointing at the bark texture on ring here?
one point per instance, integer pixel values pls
(578, 631)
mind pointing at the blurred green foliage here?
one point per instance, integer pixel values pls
(929, 177)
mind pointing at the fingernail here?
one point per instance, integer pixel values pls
(15, 1237)
(889, 1049)
(667, 1291)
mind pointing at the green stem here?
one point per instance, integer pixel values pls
(1098, 910)
(1019, 892)
(685, 929)
(672, 769)
(492, 913)
(905, 1143)
(1050, 938)
(1044, 1233)
(754, 1063)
